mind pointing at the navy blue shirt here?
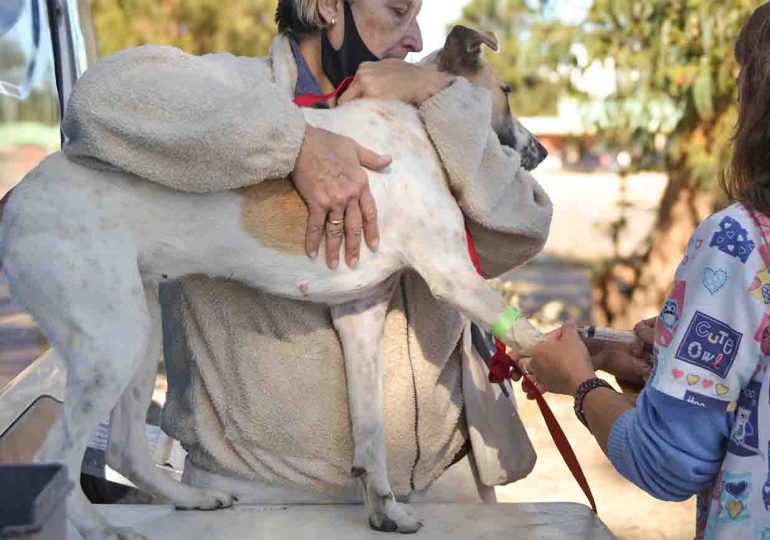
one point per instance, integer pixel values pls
(306, 81)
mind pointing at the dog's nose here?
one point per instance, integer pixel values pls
(534, 155)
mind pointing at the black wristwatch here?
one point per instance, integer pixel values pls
(582, 392)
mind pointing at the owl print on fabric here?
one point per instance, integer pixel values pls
(671, 315)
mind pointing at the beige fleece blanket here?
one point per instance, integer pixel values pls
(256, 383)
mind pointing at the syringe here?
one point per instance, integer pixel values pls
(608, 334)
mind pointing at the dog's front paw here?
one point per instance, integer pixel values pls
(388, 515)
(525, 336)
(199, 499)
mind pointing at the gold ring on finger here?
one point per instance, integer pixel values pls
(336, 222)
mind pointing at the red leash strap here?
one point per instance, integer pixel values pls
(502, 364)
(311, 100)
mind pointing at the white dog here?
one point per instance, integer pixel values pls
(84, 249)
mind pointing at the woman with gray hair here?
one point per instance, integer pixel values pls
(257, 392)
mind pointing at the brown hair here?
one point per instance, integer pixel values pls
(300, 17)
(748, 177)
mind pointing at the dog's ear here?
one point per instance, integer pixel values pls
(461, 54)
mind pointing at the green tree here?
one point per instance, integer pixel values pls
(674, 72)
(674, 57)
(532, 46)
(242, 27)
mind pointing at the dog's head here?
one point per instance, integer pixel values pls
(461, 55)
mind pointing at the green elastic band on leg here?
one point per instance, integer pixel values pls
(506, 321)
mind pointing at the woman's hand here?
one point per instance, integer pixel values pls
(630, 364)
(561, 363)
(645, 331)
(396, 79)
(628, 369)
(329, 176)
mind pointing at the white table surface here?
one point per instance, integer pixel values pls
(563, 521)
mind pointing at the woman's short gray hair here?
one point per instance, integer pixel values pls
(298, 16)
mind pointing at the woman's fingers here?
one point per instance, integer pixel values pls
(626, 367)
(354, 91)
(330, 176)
(315, 229)
(561, 366)
(646, 331)
(353, 233)
(530, 390)
(372, 160)
(521, 363)
(367, 207)
(335, 230)
(369, 218)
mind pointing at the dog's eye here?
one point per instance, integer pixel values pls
(506, 89)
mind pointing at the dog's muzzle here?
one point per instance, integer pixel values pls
(532, 152)
(533, 155)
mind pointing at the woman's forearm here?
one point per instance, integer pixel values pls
(602, 408)
(665, 445)
(192, 123)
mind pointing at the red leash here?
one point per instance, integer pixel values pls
(311, 100)
(502, 363)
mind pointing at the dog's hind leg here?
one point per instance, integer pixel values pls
(360, 325)
(128, 451)
(90, 305)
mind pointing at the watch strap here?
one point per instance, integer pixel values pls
(583, 390)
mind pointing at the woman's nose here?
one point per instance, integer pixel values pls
(413, 37)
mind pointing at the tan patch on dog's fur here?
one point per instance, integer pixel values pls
(275, 215)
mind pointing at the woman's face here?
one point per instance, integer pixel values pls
(388, 27)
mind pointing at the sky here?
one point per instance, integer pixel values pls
(434, 17)
(437, 14)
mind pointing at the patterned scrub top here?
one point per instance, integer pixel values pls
(702, 425)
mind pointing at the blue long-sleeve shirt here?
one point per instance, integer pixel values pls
(702, 425)
(663, 449)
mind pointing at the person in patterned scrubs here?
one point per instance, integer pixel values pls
(701, 426)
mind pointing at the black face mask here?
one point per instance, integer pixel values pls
(343, 63)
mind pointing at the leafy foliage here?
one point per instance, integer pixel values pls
(671, 60)
(242, 27)
(676, 55)
(531, 49)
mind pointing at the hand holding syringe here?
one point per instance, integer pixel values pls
(608, 342)
(608, 334)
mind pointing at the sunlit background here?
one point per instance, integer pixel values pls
(635, 101)
(436, 15)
